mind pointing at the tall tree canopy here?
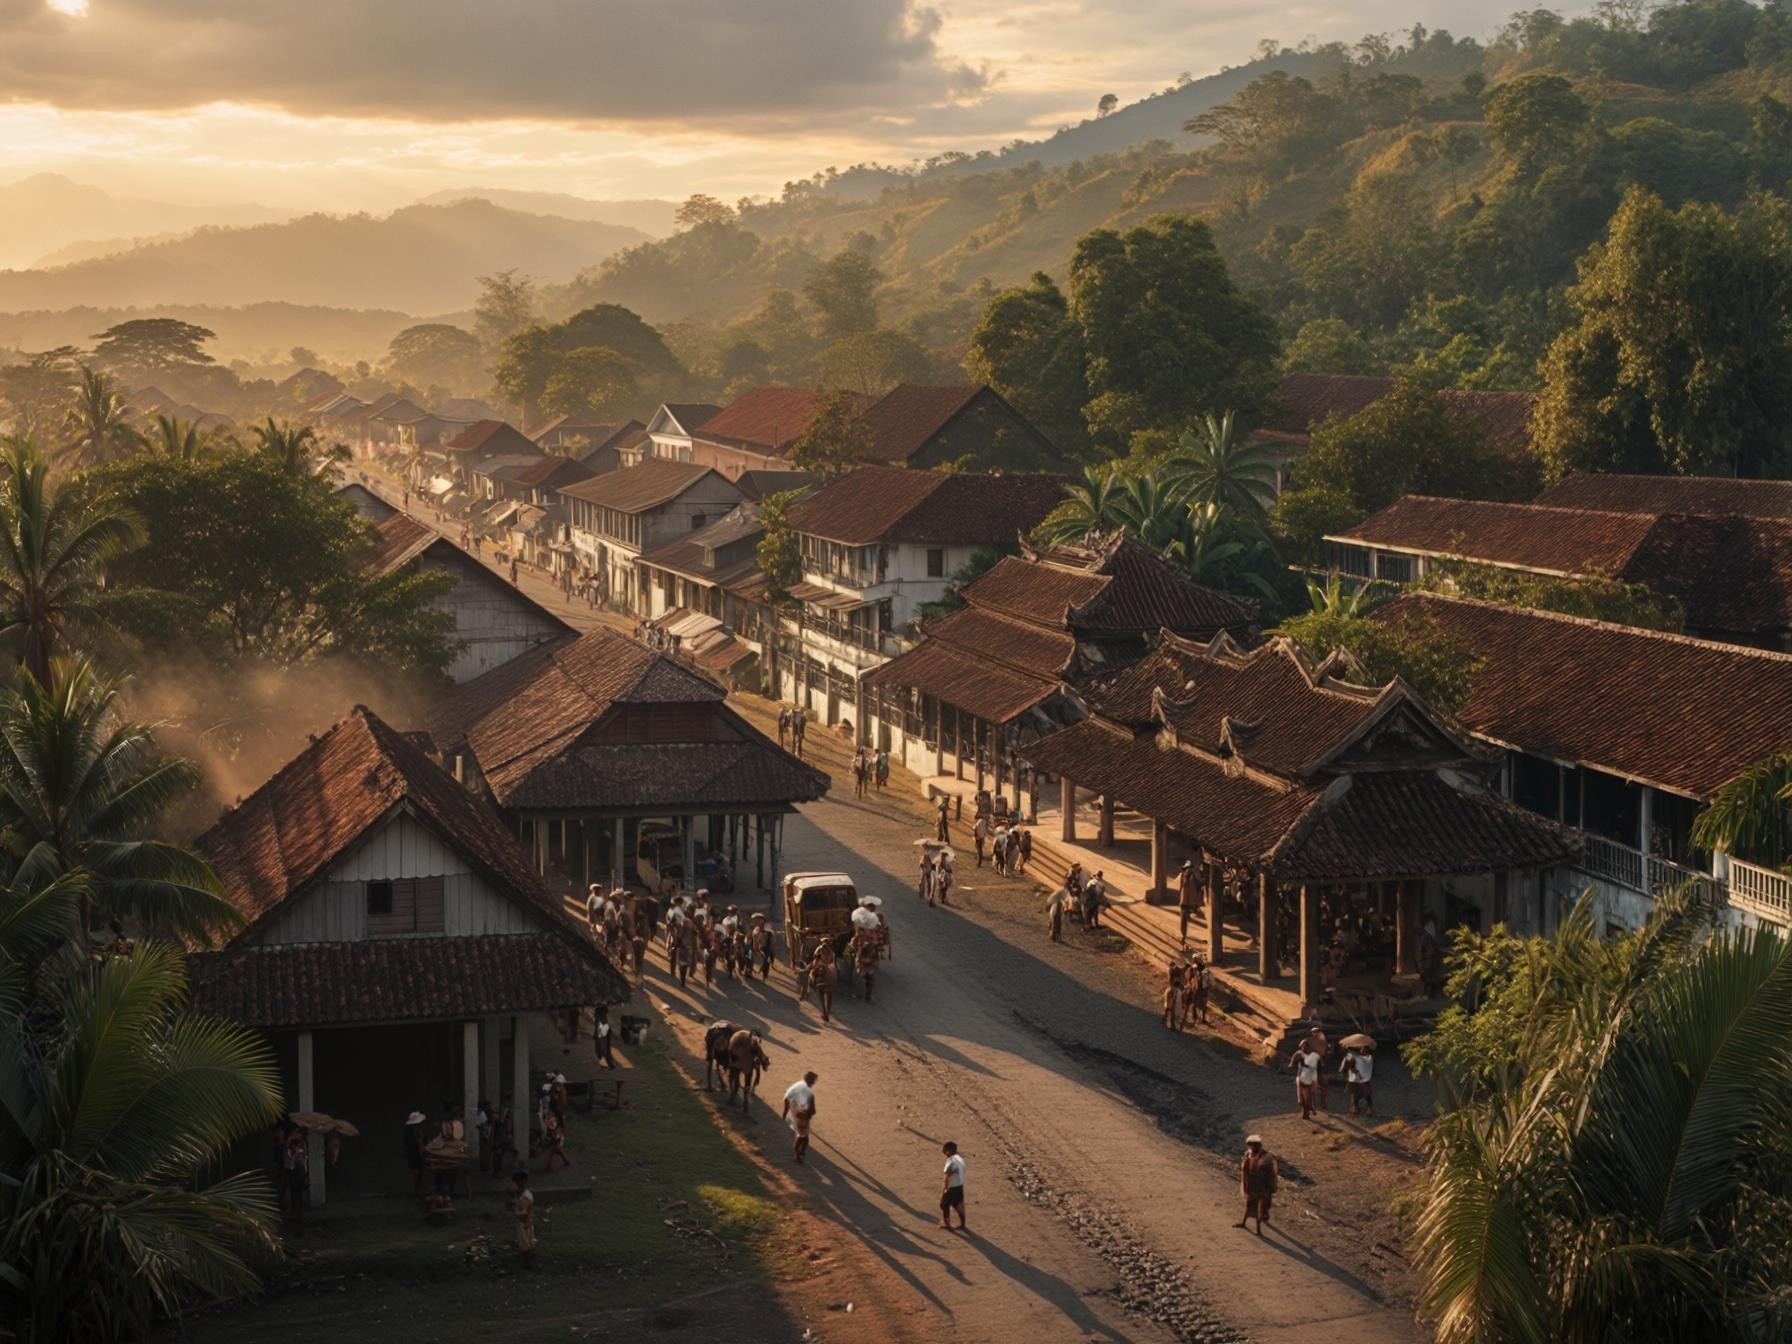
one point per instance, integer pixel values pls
(437, 354)
(505, 306)
(534, 355)
(146, 346)
(1028, 349)
(843, 290)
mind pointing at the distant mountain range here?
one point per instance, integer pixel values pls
(423, 258)
(46, 212)
(653, 217)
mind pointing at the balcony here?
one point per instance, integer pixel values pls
(1763, 892)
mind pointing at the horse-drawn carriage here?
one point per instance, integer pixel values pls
(827, 907)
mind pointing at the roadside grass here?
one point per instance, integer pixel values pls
(672, 1210)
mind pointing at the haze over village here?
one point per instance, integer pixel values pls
(870, 672)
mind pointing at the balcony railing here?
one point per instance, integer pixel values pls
(1761, 891)
(1644, 873)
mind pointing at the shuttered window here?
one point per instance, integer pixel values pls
(404, 905)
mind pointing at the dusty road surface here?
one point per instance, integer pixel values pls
(1091, 1216)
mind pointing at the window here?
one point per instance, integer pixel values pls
(697, 521)
(405, 905)
(936, 564)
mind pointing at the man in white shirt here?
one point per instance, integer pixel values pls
(952, 1187)
(1359, 1073)
(799, 1110)
(594, 908)
(1306, 1077)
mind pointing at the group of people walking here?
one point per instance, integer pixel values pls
(701, 935)
(1084, 897)
(870, 769)
(1316, 1061)
(1008, 843)
(793, 728)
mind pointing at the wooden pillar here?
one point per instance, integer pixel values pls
(469, 1081)
(957, 742)
(861, 730)
(522, 1092)
(687, 852)
(491, 1035)
(616, 856)
(1406, 929)
(1160, 856)
(1014, 771)
(1067, 807)
(1216, 940)
(939, 738)
(996, 751)
(759, 852)
(1033, 797)
(979, 738)
(1105, 836)
(314, 1142)
(1266, 928)
(1311, 952)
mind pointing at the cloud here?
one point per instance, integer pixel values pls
(751, 64)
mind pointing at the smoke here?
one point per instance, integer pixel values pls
(241, 724)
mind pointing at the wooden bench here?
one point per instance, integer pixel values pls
(585, 1094)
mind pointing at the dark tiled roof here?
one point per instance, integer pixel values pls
(635, 489)
(1732, 575)
(757, 484)
(402, 979)
(492, 438)
(1529, 536)
(692, 415)
(747, 773)
(289, 831)
(767, 418)
(1683, 714)
(1019, 644)
(891, 504)
(1671, 494)
(1306, 399)
(399, 539)
(547, 471)
(1116, 587)
(993, 691)
(907, 418)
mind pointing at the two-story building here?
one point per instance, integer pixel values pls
(756, 429)
(396, 942)
(669, 432)
(1625, 734)
(877, 543)
(615, 518)
(696, 590)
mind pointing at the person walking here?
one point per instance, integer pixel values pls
(1173, 982)
(1200, 989)
(859, 767)
(1054, 914)
(298, 1174)
(943, 832)
(1188, 888)
(882, 769)
(1026, 850)
(799, 1112)
(1258, 1180)
(600, 1036)
(1305, 1064)
(1359, 1074)
(783, 725)
(952, 1187)
(979, 835)
(824, 973)
(594, 908)
(522, 1208)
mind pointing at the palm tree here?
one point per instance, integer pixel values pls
(56, 539)
(1748, 815)
(1223, 552)
(99, 424)
(109, 1110)
(1332, 598)
(1215, 468)
(1088, 507)
(1153, 509)
(80, 786)
(183, 440)
(1608, 1163)
(296, 447)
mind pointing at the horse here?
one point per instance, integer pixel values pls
(715, 1053)
(747, 1061)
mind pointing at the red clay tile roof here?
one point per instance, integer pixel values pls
(402, 980)
(1732, 575)
(492, 438)
(647, 485)
(399, 540)
(892, 505)
(291, 829)
(990, 690)
(1685, 715)
(766, 418)
(757, 483)
(907, 418)
(1527, 536)
(1306, 399)
(1671, 494)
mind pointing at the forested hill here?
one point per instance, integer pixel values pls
(1425, 197)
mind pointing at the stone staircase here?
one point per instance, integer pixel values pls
(1154, 932)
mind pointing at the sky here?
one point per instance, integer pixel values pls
(368, 104)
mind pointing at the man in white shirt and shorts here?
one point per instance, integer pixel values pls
(799, 1110)
(952, 1187)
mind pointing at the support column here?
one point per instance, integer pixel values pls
(469, 1081)
(1266, 928)
(979, 738)
(522, 1092)
(1067, 809)
(1502, 886)
(616, 855)
(1216, 937)
(314, 1142)
(1033, 795)
(1406, 929)
(584, 855)
(688, 853)
(759, 849)
(1160, 857)
(997, 751)
(957, 743)
(491, 1035)
(1645, 819)
(1014, 771)
(1310, 950)
(1105, 836)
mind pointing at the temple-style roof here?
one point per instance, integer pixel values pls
(1272, 761)
(602, 722)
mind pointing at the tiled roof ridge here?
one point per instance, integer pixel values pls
(938, 628)
(1420, 597)
(1222, 648)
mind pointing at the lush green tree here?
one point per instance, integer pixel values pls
(1329, 345)
(779, 551)
(1373, 256)
(1216, 465)
(1090, 505)
(1595, 597)
(506, 305)
(1611, 1137)
(1152, 508)
(1418, 650)
(437, 354)
(873, 362)
(115, 1103)
(702, 209)
(532, 357)
(57, 539)
(742, 364)
(1749, 816)
(1534, 119)
(145, 347)
(1027, 348)
(836, 439)
(1277, 123)
(1301, 519)
(591, 381)
(247, 560)
(295, 448)
(82, 789)
(38, 391)
(99, 422)
(183, 438)
(843, 290)
(1458, 145)
(1680, 355)
(1165, 332)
